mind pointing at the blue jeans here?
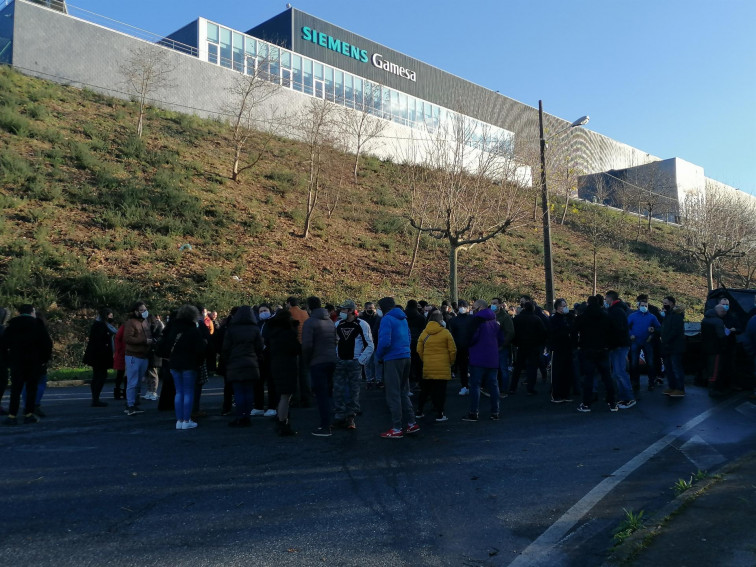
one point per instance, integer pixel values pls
(504, 369)
(478, 374)
(321, 376)
(41, 387)
(244, 395)
(618, 360)
(675, 372)
(136, 368)
(184, 382)
(373, 370)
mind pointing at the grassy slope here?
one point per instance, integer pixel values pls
(92, 215)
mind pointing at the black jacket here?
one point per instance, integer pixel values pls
(183, 344)
(619, 335)
(242, 347)
(673, 332)
(593, 328)
(462, 328)
(561, 335)
(99, 351)
(416, 323)
(282, 345)
(529, 331)
(26, 342)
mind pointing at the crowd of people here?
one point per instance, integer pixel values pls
(274, 358)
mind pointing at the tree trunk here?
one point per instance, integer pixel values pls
(453, 252)
(235, 170)
(414, 250)
(566, 204)
(595, 272)
(710, 274)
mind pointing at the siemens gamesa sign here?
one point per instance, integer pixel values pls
(355, 52)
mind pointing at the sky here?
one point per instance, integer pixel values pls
(674, 78)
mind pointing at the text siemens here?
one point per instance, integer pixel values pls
(381, 63)
(325, 40)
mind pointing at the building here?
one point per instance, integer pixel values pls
(308, 57)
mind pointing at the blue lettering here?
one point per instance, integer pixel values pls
(306, 33)
(355, 52)
(345, 47)
(323, 40)
(363, 56)
(334, 44)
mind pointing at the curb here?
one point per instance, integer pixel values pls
(633, 546)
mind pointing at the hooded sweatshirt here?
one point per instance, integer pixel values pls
(318, 339)
(242, 347)
(393, 336)
(484, 344)
(437, 350)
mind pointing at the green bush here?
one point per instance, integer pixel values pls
(13, 122)
(390, 224)
(14, 169)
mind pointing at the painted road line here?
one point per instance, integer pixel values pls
(537, 553)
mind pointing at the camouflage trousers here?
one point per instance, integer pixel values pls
(346, 389)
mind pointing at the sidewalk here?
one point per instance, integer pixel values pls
(713, 523)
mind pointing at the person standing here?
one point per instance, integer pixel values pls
(373, 375)
(619, 346)
(416, 322)
(394, 353)
(593, 329)
(99, 353)
(717, 342)
(265, 312)
(506, 336)
(461, 329)
(152, 376)
(484, 360)
(319, 353)
(119, 364)
(4, 315)
(643, 327)
(137, 336)
(302, 395)
(530, 336)
(27, 347)
(242, 350)
(438, 352)
(673, 346)
(562, 342)
(284, 349)
(184, 347)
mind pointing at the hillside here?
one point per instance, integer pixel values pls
(93, 215)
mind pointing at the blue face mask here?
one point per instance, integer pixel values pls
(606, 305)
(494, 307)
(643, 309)
(726, 307)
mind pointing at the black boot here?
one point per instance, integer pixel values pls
(284, 429)
(117, 393)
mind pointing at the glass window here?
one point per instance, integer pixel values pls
(238, 52)
(296, 65)
(358, 104)
(250, 46)
(286, 77)
(212, 32)
(348, 90)
(285, 59)
(307, 72)
(212, 53)
(225, 47)
(251, 65)
(338, 93)
(396, 112)
(274, 66)
(386, 102)
(262, 49)
(412, 101)
(403, 107)
(328, 74)
(318, 71)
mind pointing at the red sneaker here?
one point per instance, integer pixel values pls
(393, 434)
(414, 428)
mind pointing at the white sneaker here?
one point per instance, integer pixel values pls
(189, 424)
(256, 412)
(270, 413)
(179, 424)
(464, 392)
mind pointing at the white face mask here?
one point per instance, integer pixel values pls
(145, 314)
(443, 323)
(379, 313)
(566, 310)
(264, 315)
(343, 316)
(462, 310)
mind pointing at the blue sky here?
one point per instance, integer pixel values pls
(675, 78)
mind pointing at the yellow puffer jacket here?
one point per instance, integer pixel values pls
(437, 351)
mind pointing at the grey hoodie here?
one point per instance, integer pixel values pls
(318, 339)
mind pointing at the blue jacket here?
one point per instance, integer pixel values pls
(639, 323)
(393, 336)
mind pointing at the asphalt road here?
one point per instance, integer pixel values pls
(546, 485)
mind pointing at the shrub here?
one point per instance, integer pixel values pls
(390, 224)
(13, 122)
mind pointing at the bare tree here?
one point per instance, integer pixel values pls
(316, 127)
(597, 223)
(146, 71)
(473, 193)
(716, 224)
(360, 129)
(246, 97)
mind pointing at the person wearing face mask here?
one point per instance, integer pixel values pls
(461, 329)
(619, 347)
(264, 315)
(562, 343)
(319, 354)
(506, 336)
(353, 350)
(673, 346)
(99, 353)
(416, 322)
(373, 375)
(643, 328)
(137, 336)
(437, 350)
